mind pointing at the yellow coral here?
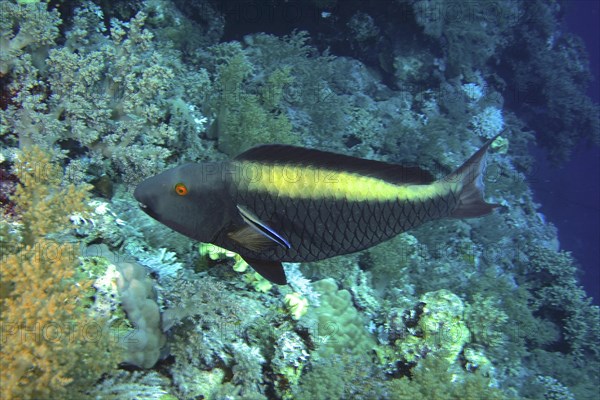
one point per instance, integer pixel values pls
(296, 304)
(50, 347)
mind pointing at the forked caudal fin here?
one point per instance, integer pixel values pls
(470, 174)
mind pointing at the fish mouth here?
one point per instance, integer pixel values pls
(147, 210)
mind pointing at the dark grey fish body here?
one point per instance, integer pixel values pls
(281, 203)
(321, 228)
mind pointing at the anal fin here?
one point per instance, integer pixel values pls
(270, 270)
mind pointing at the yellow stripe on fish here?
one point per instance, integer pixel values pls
(304, 182)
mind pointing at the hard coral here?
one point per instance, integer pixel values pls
(439, 330)
(341, 328)
(434, 381)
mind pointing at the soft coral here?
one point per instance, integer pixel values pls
(8, 183)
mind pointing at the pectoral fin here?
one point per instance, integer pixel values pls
(251, 239)
(261, 227)
(270, 270)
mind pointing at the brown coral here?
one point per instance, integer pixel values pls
(50, 345)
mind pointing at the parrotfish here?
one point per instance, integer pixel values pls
(278, 203)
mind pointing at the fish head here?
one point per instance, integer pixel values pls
(188, 199)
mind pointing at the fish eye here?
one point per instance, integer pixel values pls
(181, 189)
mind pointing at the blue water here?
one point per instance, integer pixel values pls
(570, 194)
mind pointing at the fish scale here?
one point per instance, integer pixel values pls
(345, 226)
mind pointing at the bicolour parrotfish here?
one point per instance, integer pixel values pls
(277, 203)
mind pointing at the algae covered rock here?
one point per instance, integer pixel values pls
(440, 328)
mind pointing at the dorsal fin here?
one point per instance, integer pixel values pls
(292, 155)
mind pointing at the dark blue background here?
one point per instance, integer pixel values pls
(570, 195)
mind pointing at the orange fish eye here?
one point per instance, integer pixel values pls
(180, 189)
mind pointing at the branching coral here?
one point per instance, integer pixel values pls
(486, 321)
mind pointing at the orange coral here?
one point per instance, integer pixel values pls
(50, 344)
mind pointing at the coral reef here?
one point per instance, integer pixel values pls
(138, 301)
(53, 343)
(110, 101)
(245, 119)
(548, 71)
(116, 91)
(341, 328)
(25, 29)
(433, 380)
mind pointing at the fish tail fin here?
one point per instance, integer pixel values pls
(470, 175)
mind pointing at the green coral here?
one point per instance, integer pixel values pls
(340, 327)
(316, 99)
(214, 252)
(256, 280)
(500, 145)
(433, 379)
(486, 321)
(243, 118)
(434, 327)
(210, 253)
(440, 330)
(296, 304)
(341, 377)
